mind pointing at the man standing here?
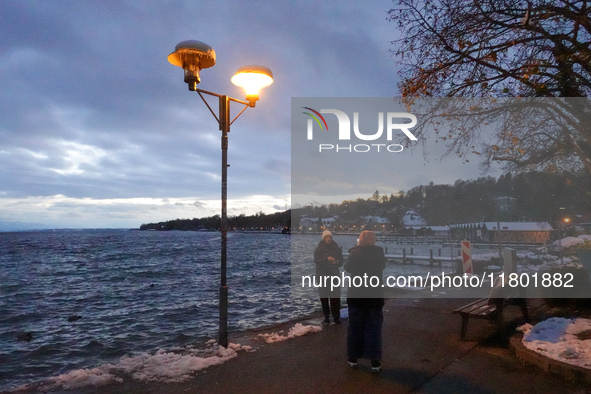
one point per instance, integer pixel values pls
(364, 334)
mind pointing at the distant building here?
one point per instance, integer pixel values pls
(375, 220)
(509, 232)
(312, 223)
(468, 231)
(414, 224)
(307, 223)
(438, 231)
(435, 231)
(412, 218)
(519, 232)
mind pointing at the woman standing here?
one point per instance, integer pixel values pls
(364, 334)
(328, 258)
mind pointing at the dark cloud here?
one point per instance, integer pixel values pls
(91, 109)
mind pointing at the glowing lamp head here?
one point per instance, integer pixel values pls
(252, 79)
(192, 56)
(566, 220)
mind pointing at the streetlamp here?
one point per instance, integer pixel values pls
(562, 225)
(193, 56)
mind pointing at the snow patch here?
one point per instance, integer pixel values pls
(163, 366)
(558, 338)
(296, 331)
(570, 241)
(170, 367)
(85, 377)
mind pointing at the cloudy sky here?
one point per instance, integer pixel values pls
(99, 130)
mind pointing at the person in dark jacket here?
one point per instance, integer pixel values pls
(328, 258)
(365, 299)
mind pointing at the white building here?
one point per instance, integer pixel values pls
(516, 232)
(412, 219)
(375, 220)
(310, 223)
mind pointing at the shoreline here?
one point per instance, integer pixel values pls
(421, 353)
(247, 337)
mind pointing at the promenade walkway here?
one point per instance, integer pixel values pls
(422, 354)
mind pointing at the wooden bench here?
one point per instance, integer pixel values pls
(490, 309)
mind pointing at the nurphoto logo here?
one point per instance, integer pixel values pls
(345, 130)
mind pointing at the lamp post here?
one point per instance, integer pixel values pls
(193, 56)
(561, 226)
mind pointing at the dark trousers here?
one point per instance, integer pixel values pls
(335, 306)
(364, 334)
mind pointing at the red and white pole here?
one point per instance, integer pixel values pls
(467, 257)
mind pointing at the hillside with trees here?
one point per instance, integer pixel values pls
(536, 50)
(534, 196)
(258, 222)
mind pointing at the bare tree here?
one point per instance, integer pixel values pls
(504, 48)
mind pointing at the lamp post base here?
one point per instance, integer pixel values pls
(223, 334)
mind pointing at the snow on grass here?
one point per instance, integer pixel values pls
(485, 256)
(569, 242)
(561, 339)
(540, 259)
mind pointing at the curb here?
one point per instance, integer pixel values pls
(572, 373)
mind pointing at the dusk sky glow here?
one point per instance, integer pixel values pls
(98, 129)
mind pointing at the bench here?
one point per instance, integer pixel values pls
(490, 309)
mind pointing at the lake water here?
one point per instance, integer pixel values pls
(135, 292)
(140, 291)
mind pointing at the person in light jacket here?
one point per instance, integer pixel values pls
(328, 258)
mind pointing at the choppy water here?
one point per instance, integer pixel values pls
(142, 291)
(135, 291)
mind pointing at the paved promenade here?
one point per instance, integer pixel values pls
(422, 354)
